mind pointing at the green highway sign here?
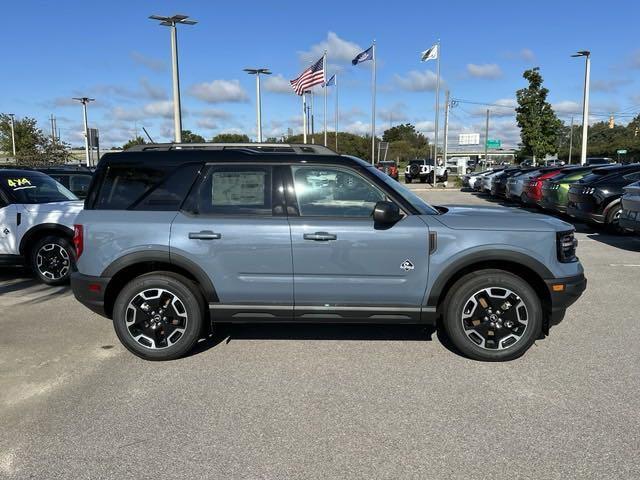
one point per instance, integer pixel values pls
(621, 152)
(493, 143)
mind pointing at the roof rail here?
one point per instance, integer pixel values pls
(293, 148)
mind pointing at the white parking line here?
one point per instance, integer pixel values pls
(623, 265)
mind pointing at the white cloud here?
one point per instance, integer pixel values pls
(219, 91)
(208, 123)
(338, 50)
(276, 84)
(566, 106)
(509, 103)
(486, 70)
(416, 81)
(527, 55)
(161, 108)
(358, 127)
(635, 59)
(152, 91)
(214, 113)
(148, 62)
(609, 86)
(396, 113)
(158, 109)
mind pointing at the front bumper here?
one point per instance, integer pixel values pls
(563, 293)
(90, 291)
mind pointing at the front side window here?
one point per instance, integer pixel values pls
(35, 188)
(334, 192)
(233, 190)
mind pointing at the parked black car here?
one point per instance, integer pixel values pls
(597, 197)
(76, 179)
(499, 185)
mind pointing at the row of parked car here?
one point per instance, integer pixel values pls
(606, 195)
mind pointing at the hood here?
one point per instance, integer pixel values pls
(500, 218)
(72, 206)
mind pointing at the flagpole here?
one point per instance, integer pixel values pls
(304, 116)
(435, 157)
(373, 105)
(335, 80)
(325, 97)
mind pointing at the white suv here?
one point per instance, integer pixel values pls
(423, 170)
(36, 224)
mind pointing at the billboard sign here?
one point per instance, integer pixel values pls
(469, 139)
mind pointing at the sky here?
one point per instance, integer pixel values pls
(111, 51)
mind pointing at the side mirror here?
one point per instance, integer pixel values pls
(386, 213)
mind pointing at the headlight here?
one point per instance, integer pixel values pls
(566, 245)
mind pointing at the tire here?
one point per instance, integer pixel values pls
(476, 341)
(183, 308)
(407, 179)
(445, 177)
(52, 259)
(423, 179)
(612, 222)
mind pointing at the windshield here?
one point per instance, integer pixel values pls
(35, 188)
(423, 207)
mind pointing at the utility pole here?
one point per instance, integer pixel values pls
(53, 129)
(85, 101)
(172, 22)
(446, 128)
(435, 158)
(585, 103)
(13, 133)
(571, 140)
(257, 72)
(486, 139)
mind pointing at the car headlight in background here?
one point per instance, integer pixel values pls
(567, 245)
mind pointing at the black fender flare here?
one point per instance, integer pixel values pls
(163, 256)
(479, 257)
(34, 231)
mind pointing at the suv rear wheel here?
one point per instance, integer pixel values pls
(52, 259)
(158, 316)
(492, 315)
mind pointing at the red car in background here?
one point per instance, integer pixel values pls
(388, 167)
(532, 192)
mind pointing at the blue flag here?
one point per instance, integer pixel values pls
(331, 81)
(363, 56)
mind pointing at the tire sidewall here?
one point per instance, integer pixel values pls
(180, 287)
(465, 288)
(58, 240)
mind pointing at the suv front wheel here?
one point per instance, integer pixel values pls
(492, 315)
(52, 259)
(158, 316)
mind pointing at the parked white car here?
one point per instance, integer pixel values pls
(36, 224)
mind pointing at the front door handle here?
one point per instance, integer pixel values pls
(320, 236)
(205, 235)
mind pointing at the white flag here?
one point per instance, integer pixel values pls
(430, 54)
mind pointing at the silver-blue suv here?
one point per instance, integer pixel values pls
(177, 238)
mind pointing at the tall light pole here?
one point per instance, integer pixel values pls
(257, 72)
(172, 22)
(85, 101)
(13, 133)
(585, 103)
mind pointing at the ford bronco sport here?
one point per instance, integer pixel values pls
(176, 238)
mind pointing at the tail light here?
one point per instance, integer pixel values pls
(78, 239)
(567, 245)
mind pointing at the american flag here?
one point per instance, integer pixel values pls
(314, 75)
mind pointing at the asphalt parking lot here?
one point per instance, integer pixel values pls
(322, 401)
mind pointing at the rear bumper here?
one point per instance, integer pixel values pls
(90, 291)
(586, 214)
(571, 289)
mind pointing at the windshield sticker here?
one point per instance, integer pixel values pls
(19, 183)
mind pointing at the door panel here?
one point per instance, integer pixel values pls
(229, 228)
(8, 229)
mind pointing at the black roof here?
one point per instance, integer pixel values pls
(12, 172)
(616, 168)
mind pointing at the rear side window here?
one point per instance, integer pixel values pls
(144, 187)
(79, 184)
(233, 190)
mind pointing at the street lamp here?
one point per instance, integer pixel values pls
(85, 101)
(585, 103)
(172, 22)
(13, 134)
(257, 72)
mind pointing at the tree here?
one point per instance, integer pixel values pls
(189, 137)
(33, 148)
(348, 143)
(133, 142)
(405, 143)
(230, 138)
(539, 125)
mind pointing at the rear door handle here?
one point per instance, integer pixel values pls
(320, 236)
(205, 235)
